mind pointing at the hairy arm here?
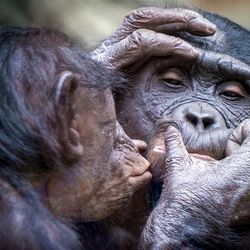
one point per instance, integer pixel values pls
(26, 223)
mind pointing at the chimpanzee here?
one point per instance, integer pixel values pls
(64, 157)
(203, 90)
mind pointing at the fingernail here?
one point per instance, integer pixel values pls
(211, 27)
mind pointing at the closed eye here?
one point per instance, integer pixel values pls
(172, 83)
(172, 78)
(231, 94)
(233, 91)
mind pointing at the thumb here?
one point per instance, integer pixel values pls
(176, 153)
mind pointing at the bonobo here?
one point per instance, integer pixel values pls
(205, 95)
(64, 157)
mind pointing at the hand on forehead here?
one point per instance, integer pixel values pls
(147, 32)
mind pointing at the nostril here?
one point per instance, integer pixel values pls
(192, 119)
(207, 122)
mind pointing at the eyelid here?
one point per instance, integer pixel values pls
(173, 73)
(235, 87)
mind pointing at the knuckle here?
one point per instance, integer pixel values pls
(177, 42)
(175, 160)
(138, 38)
(172, 139)
(190, 17)
(246, 123)
(138, 16)
(190, 14)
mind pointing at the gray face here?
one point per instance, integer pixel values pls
(205, 100)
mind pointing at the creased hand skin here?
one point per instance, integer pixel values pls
(201, 197)
(146, 32)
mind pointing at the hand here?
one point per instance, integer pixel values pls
(237, 138)
(146, 32)
(200, 195)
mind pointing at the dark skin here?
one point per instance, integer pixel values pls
(191, 180)
(101, 193)
(147, 32)
(62, 168)
(204, 94)
(64, 157)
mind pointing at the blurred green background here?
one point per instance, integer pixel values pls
(90, 21)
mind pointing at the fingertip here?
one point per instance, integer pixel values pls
(147, 175)
(147, 163)
(211, 28)
(203, 27)
(171, 130)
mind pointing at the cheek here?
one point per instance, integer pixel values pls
(159, 102)
(234, 112)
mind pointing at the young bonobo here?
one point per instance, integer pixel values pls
(200, 85)
(64, 157)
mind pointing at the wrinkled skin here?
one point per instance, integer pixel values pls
(111, 168)
(146, 32)
(199, 89)
(195, 186)
(202, 102)
(64, 157)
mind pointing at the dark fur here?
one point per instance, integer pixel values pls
(31, 129)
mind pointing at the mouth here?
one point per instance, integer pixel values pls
(210, 142)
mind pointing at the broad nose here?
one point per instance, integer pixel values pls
(200, 120)
(200, 116)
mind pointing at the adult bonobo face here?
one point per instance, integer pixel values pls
(204, 98)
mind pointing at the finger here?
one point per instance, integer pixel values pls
(146, 43)
(212, 61)
(157, 152)
(239, 136)
(140, 145)
(231, 148)
(139, 182)
(164, 20)
(176, 153)
(246, 131)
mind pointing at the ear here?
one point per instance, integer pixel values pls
(66, 86)
(65, 99)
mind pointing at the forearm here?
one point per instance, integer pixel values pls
(181, 223)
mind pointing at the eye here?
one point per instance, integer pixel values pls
(172, 83)
(172, 78)
(231, 95)
(233, 91)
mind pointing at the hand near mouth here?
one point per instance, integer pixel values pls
(202, 198)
